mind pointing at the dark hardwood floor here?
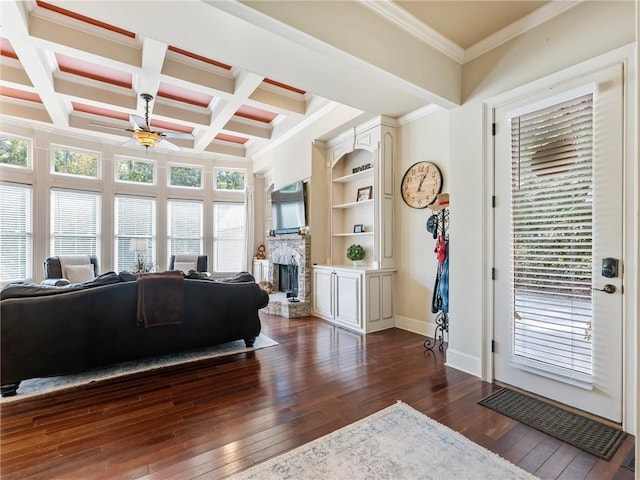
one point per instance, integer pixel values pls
(220, 416)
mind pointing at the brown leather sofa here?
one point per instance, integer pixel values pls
(48, 330)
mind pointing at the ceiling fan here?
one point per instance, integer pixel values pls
(143, 135)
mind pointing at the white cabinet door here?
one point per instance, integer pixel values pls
(323, 292)
(348, 295)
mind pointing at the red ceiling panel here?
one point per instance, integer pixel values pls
(231, 138)
(103, 112)
(93, 71)
(162, 125)
(195, 56)
(84, 19)
(20, 94)
(6, 49)
(285, 86)
(183, 95)
(257, 114)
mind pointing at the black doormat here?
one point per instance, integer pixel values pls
(630, 461)
(584, 433)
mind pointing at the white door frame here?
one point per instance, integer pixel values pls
(631, 232)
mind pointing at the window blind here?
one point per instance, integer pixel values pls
(15, 232)
(552, 238)
(74, 222)
(228, 236)
(185, 227)
(135, 220)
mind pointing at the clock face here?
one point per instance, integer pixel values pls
(421, 184)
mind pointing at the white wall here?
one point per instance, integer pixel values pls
(560, 48)
(289, 160)
(423, 139)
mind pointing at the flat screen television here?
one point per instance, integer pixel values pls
(288, 208)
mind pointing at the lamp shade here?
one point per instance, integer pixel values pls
(138, 245)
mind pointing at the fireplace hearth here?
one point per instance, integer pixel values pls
(290, 274)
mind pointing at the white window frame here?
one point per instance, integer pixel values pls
(184, 165)
(29, 143)
(52, 158)
(154, 163)
(224, 169)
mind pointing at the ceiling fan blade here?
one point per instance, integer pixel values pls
(184, 135)
(110, 126)
(167, 144)
(138, 123)
(132, 142)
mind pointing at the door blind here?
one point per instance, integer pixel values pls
(552, 184)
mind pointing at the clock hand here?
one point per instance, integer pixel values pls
(420, 184)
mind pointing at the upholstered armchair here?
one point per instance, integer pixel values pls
(73, 268)
(187, 262)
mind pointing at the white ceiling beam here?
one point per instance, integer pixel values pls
(245, 84)
(35, 63)
(148, 81)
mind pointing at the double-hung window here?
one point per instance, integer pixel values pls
(185, 226)
(15, 232)
(228, 236)
(135, 220)
(75, 222)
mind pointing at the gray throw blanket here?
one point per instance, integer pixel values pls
(160, 298)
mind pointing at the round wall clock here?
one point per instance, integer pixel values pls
(421, 184)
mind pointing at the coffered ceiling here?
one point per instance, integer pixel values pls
(231, 82)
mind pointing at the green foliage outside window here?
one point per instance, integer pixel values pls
(185, 177)
(72, 162)
(129, 170)
(13, 151)
(229, 180)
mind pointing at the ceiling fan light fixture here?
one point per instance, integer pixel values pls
(146, 139)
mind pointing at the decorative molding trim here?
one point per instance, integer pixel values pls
(392, 12)
(419, 113)
(321, 112)
(520, 26)
(462, 361)
(361, 128)
(410, 24)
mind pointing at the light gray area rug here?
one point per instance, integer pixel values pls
(395, 443)
(39, 386)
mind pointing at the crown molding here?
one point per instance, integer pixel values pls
(410, 24)
(416, 114)
(396, 14)
(520, 26)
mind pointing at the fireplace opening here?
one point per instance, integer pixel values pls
(288, 279)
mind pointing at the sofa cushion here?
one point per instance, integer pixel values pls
(185, 267)
(18, 290)
(241, 277)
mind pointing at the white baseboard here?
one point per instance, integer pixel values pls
(461, 361)
(416, 326)
(458, 360)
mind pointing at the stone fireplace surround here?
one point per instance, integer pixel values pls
(281, 249)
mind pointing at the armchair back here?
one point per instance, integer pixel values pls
(53, 265)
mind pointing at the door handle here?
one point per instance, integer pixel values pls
(608, 288)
